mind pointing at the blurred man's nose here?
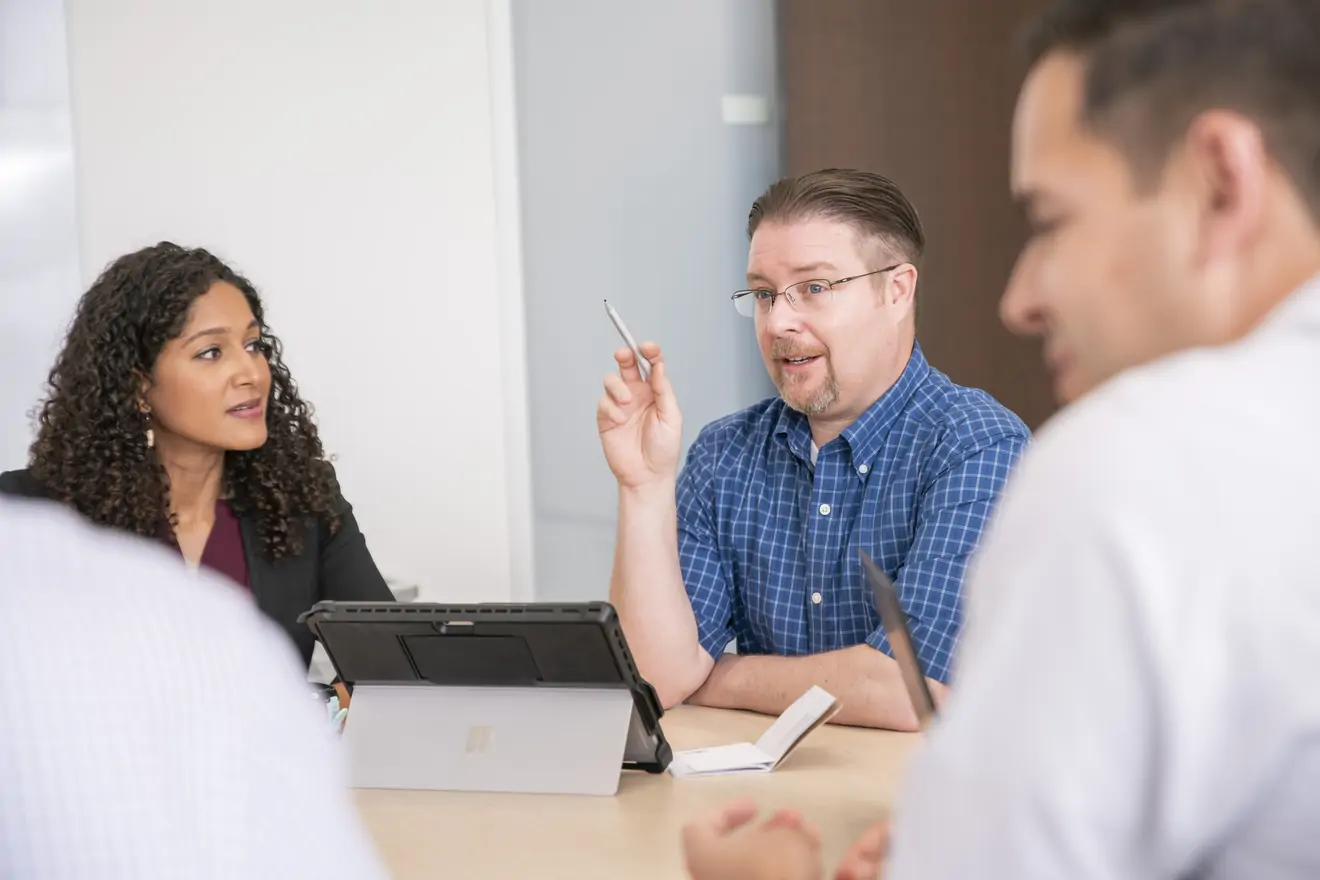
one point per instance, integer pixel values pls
(1020, 307)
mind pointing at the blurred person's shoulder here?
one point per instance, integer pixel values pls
(174, 690)
(62, 573)
(1195, 476)
(1173, 509)
(1194, 418)
(44, 544)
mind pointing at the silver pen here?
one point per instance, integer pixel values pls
(643, 365)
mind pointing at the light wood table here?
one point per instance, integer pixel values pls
(841, 778)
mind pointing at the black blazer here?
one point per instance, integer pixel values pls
(335, 566)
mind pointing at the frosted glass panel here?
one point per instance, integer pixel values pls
(39, 275)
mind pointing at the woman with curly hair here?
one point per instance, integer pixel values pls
(170, 414)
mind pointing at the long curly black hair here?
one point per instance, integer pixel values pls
(91, 449)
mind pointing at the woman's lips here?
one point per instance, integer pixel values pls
(252, 409)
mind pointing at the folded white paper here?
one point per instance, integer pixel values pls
(808, 712)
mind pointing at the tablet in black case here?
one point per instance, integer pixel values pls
(559, 645)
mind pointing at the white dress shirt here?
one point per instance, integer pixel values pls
(153, 724)
(1138, 693)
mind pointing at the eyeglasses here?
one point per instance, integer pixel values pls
(807, 297)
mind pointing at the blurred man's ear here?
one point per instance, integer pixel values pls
(1226, 159)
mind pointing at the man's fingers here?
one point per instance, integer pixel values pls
(812, 832)
(856, 868)
(792, 820)
(651, 352)
(785, 819)
(939, 692)
(874, 840)
(666, 403)
(617, 390)
(628, 368)
(867, 854)
(722, 820)
(732, 815)
(608, 412)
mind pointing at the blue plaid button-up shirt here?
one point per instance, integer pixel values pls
(768, 542)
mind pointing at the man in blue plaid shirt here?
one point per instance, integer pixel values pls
(867, 446)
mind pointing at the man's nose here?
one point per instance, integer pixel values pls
(783, 317)
(1020, 308)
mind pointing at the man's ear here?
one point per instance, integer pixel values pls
(1230, 163)
(902, 285)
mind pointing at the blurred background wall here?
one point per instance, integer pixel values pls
(924, 93)
(635, 187)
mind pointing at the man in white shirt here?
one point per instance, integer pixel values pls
(1135, 694)
(152, 723)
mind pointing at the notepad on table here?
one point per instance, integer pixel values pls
(808, 712)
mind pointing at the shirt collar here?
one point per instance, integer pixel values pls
(1301, 307)
(866, 435)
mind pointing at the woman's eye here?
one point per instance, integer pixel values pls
(209, 354)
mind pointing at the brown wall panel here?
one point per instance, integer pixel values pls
(922, 91)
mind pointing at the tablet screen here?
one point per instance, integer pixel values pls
(900, 638)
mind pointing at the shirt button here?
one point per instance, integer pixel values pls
(824, 510)
(815, 598)
(861, 469)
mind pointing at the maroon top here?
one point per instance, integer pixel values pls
(223, 553)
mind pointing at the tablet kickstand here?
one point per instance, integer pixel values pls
(535, 740)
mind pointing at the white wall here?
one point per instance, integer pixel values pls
(38, 233)
(354, 160)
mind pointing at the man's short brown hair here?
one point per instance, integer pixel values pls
(873, 205)
(1153, 66)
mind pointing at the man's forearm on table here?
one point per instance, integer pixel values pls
(646, 588)
(865, 681)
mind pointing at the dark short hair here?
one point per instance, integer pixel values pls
(872, 204)
(1153, 66)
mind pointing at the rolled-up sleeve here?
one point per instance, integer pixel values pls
(954, 510)
(704, 573)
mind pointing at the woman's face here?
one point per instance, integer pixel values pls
(210, 384)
